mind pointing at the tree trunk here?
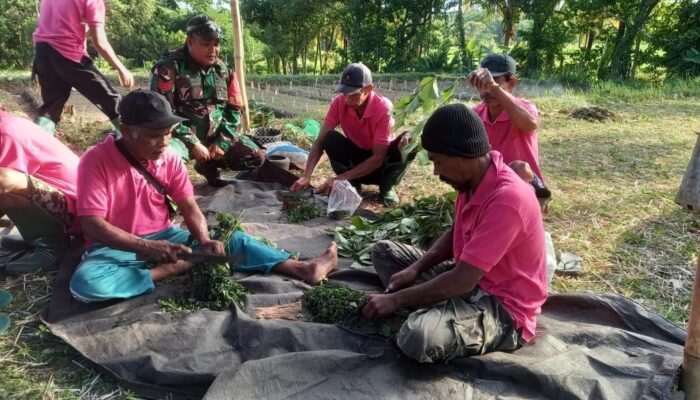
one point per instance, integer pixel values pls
(466, 61)
(622, 54)
(318, 52)
(511, 15)
(589, 45)
(635, 59)
(690, 374)
(540, 12)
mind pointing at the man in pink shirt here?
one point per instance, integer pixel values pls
(38, 179)
(366, 153)
(511, 123)
(480, 286)
(61, 61)
(125, 217)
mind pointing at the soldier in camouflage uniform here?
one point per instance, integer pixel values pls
(201, 88)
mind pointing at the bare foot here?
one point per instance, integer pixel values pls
(162, 271)
(323, 264)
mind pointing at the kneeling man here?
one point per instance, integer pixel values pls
(480, 286)
(125, 217)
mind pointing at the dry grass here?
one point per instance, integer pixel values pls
(613, 185)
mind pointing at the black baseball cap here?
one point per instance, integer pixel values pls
(202, 25)
(148, 109)
(499, 64)
(355, 76)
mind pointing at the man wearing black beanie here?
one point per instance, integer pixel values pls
(480, 287)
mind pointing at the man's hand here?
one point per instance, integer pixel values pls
(215, 152)
(212, 246)
(200, 153)
(482, 80)
(401, 279)
(380, 305)
(161, 251)
(404, 139)
(126, 79)
(300, 184)
(326, 187)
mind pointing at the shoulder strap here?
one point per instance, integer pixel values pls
(139, 167)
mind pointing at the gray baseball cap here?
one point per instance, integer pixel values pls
(355, 77)
(499, 64)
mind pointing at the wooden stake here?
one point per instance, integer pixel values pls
(238, 61)
(690, 376)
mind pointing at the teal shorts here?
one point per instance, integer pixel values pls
(105, 273)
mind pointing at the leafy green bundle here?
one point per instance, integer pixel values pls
(419, 224)
(332, 304)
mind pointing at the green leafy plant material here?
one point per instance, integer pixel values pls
(419, 224)
(303, 210)
(332, 304)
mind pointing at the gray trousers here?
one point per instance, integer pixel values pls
(473, 324)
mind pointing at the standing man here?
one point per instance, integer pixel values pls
(131, 241)
(511, 122)
(38, 186)
(479, 288)
(366, 153)
(201, 88)
(61, 61)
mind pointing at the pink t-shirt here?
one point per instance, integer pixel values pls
(499, 231)
(27, 148)
(373, 128)
(63, 24)
(110, 187)
(510, 141)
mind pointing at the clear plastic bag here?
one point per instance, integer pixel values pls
(343, 201)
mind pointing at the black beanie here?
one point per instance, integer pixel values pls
(455, 130)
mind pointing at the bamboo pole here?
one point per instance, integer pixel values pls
(690, 375)
(238, 61)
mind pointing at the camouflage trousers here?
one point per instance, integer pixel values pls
(50, 199)
(473, 324)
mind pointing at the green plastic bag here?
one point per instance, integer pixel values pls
(311, 128)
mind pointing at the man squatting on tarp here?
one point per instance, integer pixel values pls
(480, 287)
(131, 241)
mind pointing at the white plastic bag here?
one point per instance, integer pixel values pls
(343, 200)
(296, 155)
(551, 256)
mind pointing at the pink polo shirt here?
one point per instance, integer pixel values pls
(109, 187)
(64, 23)
(27, 148)
(373, 128)
(499, 231)
(510, 141)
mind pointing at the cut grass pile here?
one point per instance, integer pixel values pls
(613, 186)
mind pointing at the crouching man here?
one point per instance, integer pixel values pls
(480, 286)
(38, 179)
(125, 217)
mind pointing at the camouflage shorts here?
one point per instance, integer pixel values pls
(50, 199)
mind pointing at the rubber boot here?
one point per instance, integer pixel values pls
(44, 232)
(210, 171)
(391, 176)
(15, 243)
(47, 124)
(116, 122)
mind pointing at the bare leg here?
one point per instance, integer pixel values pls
(311, 271)
(162, 271)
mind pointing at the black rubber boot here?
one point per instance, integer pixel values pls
(210, 171)
(15, 243)
(45, 233)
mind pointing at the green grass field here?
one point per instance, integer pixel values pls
(613, 184)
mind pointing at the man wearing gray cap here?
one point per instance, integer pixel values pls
(480, 286)
(125, 186)
(511, 122)
(365, 152)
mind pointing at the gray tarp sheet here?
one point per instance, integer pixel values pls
(588, 346)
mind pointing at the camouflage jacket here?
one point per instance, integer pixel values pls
(199, 94)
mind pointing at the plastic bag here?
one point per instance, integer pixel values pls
(311, 128)
(343, 201)
(296, 155)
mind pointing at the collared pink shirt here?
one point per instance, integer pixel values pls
(510, 141)
(64, 23)
(499, 231)
(373, 128)
(109, 187)
(27, 148)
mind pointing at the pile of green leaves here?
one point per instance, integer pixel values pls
(228, 224)
(208, 286)
(419, 224)
(303, 211)
(332, 304)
